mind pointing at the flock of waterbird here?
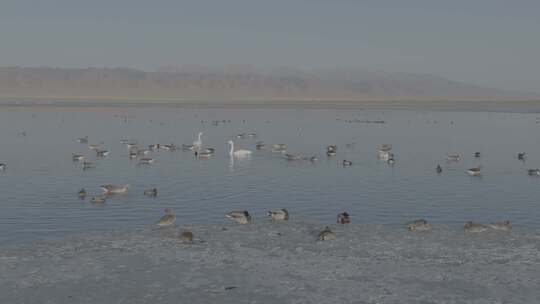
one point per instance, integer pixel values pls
(244, 217)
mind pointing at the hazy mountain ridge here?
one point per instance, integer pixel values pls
(232, 83)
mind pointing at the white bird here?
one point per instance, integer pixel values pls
(238, 153)
(115, 188)
(474, 171)
(198, 143)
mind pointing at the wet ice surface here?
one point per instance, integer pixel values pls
(276, 263)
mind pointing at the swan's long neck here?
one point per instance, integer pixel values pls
(232, 148)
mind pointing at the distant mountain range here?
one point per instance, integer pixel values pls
(199, 83)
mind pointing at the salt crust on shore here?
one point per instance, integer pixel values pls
(276, 263)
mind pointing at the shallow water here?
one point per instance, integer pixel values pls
(38, 190)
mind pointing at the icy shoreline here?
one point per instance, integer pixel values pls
(276, 263)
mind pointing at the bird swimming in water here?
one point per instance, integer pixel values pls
(167, 219)
(475, 171)
(439, 169)
(238, 153)
(260, 145)
(279, 214)
(521, 156)
(102, 153)
(326, 234)
(88, 165)
(82, 140)
(533, 172)
(391, 160)
(82, 193)
(78, 157)
(279, 147)
(241, 217)
(474, 227)
(419, 225)
(100, 199)
(347, 163)
(343, 218)
(385, 147)
(477, 154)
(453, 157)
(113, 189)
(146, 161)
(331, 150)
(2, 166)
(505, 226)
(151, 192)
(186, 237)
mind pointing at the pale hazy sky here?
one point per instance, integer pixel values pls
(488, 42)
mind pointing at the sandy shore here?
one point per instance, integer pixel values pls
(276, 263)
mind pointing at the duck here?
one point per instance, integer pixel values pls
(3, 166)
(82, 193)
(439, 169)
(260, 145)
(82, 140)
(133, 155)
(476, 171)
(146, 161)
(347, 163)
(167, 219)
(505, 226)
(385, 147)
(131, 145)
(94, 147)
(151, 192)
(331, 150)
(391, 160)
(419, 225)
(238, 153)
(241, 217)
(326, 234)
(474, 227)
(533, 172)
(279, 214)
(477, 154)
(521, 156)
(384, 155)
(279, 147)
(168, 147)
(290, 156)
(114, 189)
(88, 165)
(100, 199)
(453, 157)
(78, 157)
(143, 152)
(343, 218)
(102, 153)
(186, 237)
(204, 154)
(154, 147)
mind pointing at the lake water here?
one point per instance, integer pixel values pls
(38, 190)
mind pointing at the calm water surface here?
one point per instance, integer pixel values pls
(38, 191)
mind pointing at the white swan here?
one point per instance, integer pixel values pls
(198, 143)
(238, 153)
